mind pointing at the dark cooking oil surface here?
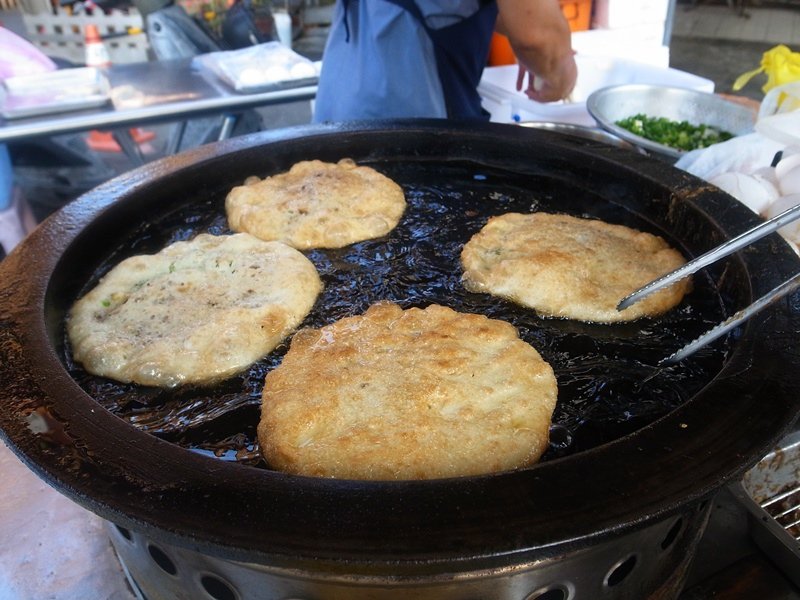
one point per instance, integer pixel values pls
(608, 382)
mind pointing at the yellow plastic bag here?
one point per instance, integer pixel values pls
(781, 66)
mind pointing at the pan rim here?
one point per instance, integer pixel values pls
(476, 529)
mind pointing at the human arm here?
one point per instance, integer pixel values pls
(541, 39)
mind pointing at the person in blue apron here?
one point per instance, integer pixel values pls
(424, 58)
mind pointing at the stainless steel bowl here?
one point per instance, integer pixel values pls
(611, 104)
(582, 131)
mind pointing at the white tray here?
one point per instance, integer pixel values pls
(54, 92)
(265, 67)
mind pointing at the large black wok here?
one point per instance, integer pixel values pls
(618, 460)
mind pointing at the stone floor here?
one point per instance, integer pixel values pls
(776, 22)
(720, 42)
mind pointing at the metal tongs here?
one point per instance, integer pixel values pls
(721, 251)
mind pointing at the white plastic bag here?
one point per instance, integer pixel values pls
(779, 114)
(743, 154)
(19, 57)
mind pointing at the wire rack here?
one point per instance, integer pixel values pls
(770, 492)
(785, 509)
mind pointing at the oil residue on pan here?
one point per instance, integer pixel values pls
(609, 385)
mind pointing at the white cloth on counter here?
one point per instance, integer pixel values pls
(743, 154)
(761, 169)
(749, 153)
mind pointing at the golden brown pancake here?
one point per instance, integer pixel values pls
(196, 312)
(317, 205)
(568, 267)
(407, 394)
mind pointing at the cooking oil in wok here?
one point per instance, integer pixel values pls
(608, 383)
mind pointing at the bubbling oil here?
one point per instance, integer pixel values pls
(608, 381)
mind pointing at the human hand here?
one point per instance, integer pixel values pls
(557, 86)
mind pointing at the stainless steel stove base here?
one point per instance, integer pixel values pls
(648, 563)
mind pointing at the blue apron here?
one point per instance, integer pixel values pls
(462, 50)
(366, 77)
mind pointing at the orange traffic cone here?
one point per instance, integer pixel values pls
(97, 56)
(103, 141)
(96, 53)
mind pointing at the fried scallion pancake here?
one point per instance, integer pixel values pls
(399, 394)
(570, 267)
(317, 205)
(196, 312)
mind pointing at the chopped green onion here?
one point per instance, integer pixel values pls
(680, 135)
